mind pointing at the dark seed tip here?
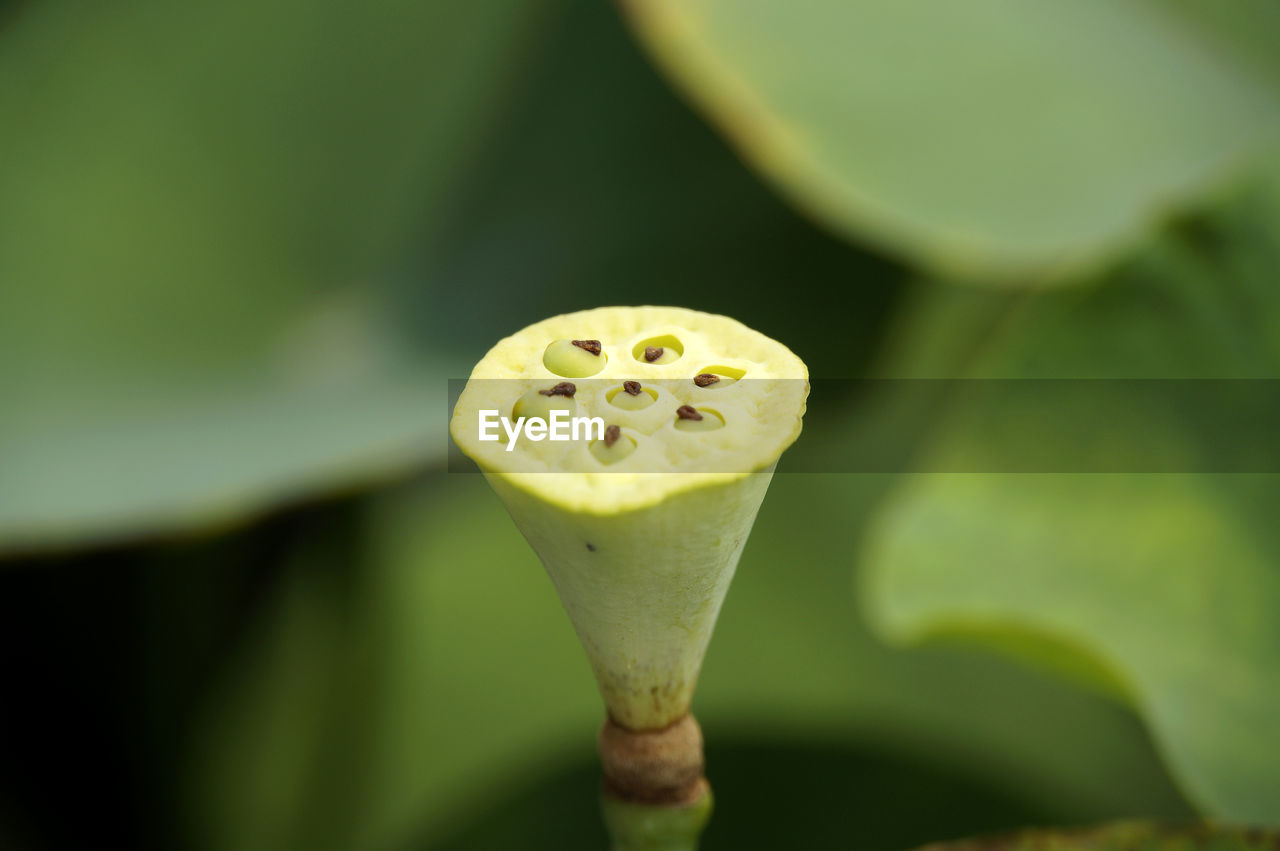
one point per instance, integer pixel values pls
(632, 387)
(592, 346)
(564, 388)
(591, 547)
(705, 378)
(688, 412)
(652, 353)
(611, 435)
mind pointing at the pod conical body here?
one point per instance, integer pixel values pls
(640, 530)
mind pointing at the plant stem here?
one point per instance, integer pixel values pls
(655, 795)
(656, 827)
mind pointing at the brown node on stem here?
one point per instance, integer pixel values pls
(654, 766)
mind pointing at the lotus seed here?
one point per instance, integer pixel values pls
(719, 376)
(614, 447)
(627, 400)
(660, 354)
(574, 358)
(666, 348)
(689, 418)
(540, 403)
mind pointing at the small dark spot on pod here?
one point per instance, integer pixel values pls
(591, 547)
(652, 353)
(688, 412)
(592, 346)
(632, 387)
(611, 435)
(705, 379)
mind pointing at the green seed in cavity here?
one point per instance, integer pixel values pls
(574, 358)
(614, 447)
(660, 354)
(540, 403)
(625, 399)
(716, 377)
(689, 418)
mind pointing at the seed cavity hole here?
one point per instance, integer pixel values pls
(658, 350)
(622, 397)
(574, 358)
(715, 377)
(689, 418)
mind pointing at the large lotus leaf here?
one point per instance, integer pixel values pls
(1167, 582)
(201, 205)
(1005, 140)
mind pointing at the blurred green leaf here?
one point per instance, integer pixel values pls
(1167, 583)
(1004, 140)
(441, 675)
(202, 208)
(1124, 837)
(443, 651)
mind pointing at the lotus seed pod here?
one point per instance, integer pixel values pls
(640, 529)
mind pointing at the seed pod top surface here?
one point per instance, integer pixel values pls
(740, 394)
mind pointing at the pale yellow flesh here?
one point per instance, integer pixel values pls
(760, 401)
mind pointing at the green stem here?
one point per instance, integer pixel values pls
(656, 827)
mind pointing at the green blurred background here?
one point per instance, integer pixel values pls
(244, 246)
